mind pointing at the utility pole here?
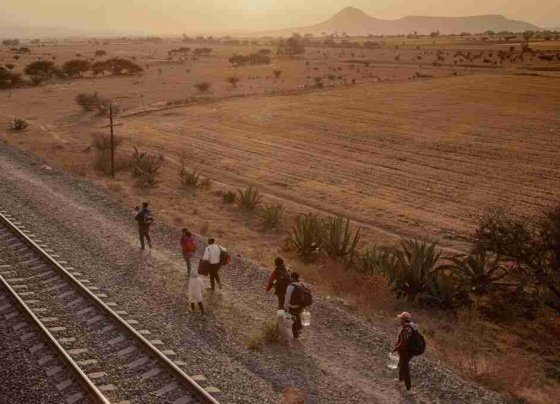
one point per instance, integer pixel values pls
(112, 126)
(112, 141)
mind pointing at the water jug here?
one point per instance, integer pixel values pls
(306, 318)
(393, 361)
(280, 313)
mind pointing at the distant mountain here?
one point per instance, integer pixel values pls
(355, 22)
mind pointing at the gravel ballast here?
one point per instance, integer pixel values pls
(341, 359)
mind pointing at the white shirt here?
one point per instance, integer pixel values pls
(288, 300)
(212, 254)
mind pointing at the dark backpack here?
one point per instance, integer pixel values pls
(417, 343)
(225, 257)
(303, 297)
(148, 217)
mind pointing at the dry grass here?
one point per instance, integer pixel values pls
(267, 334)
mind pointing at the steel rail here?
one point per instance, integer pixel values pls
(96, 395)
(185, 380)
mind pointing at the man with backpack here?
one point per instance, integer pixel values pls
(215, 256)
(410, 343)
(298, 297)
(145, 218)
(189, 245)
(279, 279)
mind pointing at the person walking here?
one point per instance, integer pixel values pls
(195, 290)
(279, 279)
(189, 245)
(292, 303)
(145, 218)
(212, 255)
(402, 347)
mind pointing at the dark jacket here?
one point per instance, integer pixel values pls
(143, 217)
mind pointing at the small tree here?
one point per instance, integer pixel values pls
(277, 73)
(203, 86)
(41, 68)
(233, 81)
(76, 67)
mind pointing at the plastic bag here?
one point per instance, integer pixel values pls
(393, 361)
(285, 326)
(306, 318)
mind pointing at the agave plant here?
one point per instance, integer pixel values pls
(445, 291)
(145, 167)
(189, 179)
(338, 241)
(305, 236)
(18, 124)
(249, 198)
(480, 271)
(272, 215)
(377, 261)
(416, 261)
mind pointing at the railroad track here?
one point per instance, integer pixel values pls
(108, 357)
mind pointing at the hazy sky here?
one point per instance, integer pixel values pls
(177, 16)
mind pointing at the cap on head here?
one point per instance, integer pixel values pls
(144, 204)
(405, 315)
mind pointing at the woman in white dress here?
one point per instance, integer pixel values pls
(195, 290)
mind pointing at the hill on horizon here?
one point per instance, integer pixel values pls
(355, 22)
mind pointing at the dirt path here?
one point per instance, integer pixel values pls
(340, 360)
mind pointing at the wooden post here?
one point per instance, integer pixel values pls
(112, 141)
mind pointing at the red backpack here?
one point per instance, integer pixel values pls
(191, 245)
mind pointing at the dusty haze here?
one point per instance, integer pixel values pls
(176, 16)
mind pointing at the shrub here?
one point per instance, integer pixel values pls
(76, 67)
(305, 236)
(233, 81)
(18, 124)
(272, 215)
(203, 87)
(8, 79)
(249, 198)
(118, 67)
(102, 142)
(228, 197)
(102, 145)
(318, 82)
(277, 73)
(41, 68)
(10, 66)
(337, 238)
(252, 59)
(145, 167)
(100, 53)
(532, 242)
(88, 101)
